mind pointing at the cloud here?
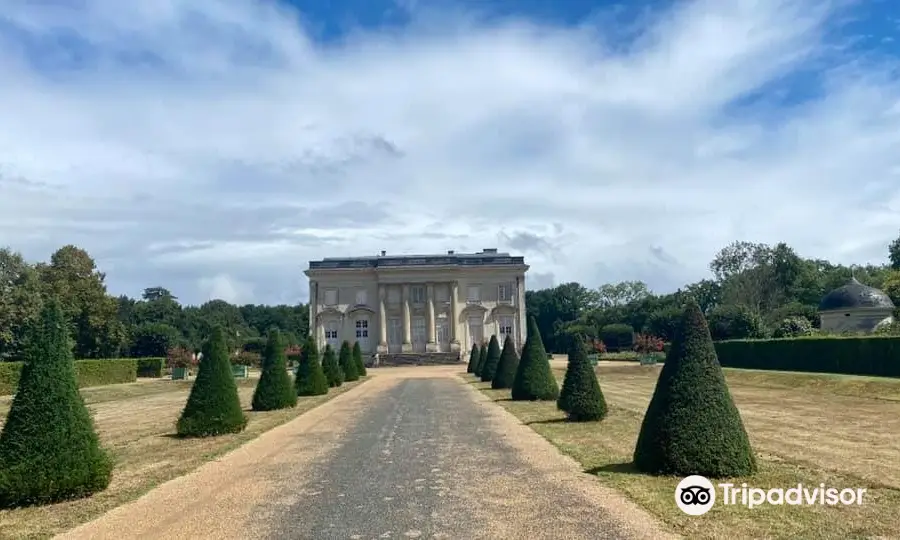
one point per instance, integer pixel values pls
(214, 147)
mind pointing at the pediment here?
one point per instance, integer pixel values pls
(474, 308)
(360, 309)
(330, 312)
(503, 309)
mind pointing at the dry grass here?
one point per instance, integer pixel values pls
(809, 429)
(136, 423)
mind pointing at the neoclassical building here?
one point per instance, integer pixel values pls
(417, 304)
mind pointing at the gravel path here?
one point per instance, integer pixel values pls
(413, 453)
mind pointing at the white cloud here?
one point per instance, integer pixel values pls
(211, 147)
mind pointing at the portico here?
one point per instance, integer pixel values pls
(412, 304)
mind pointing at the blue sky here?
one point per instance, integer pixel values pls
(215, 146)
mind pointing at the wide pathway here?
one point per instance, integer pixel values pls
(412, 453)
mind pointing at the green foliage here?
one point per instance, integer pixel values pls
(310, 378)
(849, 355)
(87, 373)
(735, 322)
(581, 397)
(492, 360)
(49, 450)
(505, 375)
(482, 359)
(153, 339)
(151, 367)
(213, 406)
(692, 425)
(617, 337)
(358, 360)
(534, 379)
(474, 358)
(793, 327)
(345, 360)
(275, 389)
(258, 344)
(331, 368)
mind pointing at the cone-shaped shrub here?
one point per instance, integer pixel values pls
(213, 407)
(345, 360)
(275, 389)
(474, 357)
(358, 361)
(692, 425)
(310, 379)
(493, 360)
(332, 369)
(534, 378)
(506, 369)
(482, 359)
(581, 396)
(49, 450)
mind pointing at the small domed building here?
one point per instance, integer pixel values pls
(855, 307)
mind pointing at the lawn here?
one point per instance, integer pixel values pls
(136, 422)
(839, 430)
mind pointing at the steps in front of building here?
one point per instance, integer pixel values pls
(419, 359)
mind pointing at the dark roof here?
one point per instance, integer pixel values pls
(484, 258)
(855, 295)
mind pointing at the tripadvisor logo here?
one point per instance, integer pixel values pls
(695, 495)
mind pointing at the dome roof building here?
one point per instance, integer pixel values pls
(855, 307)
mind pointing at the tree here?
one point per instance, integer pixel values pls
(310, 379)
(345, 361)
(692, 425)
(492, 361)
(534, 379)
(620, 294)
(474, 357)
(482, 359)
(505, 375)
(153, 339)
(20, 302)
(213, 406)
(49, 450)
(894, 254)
(331, 368)
(274, 390)
(581, 397)
(358, 361)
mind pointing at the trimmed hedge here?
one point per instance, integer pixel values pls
(846, 355)
(151, 367)
(87, 373)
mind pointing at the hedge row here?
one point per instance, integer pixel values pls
(151, 367)
(851, 355)
(88, 372)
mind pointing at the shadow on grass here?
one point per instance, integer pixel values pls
(548, 421)
(618, 468)
(503, 399)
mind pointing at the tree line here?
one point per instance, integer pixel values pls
(107, 326)
(755, 291)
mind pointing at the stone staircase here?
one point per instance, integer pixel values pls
(418, 359)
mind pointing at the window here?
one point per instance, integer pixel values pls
(331, 297)
(474, 293)
(417, 294)
(362, 329)
(506, 327)
(361, 297)
(504, 292)
(331, 334)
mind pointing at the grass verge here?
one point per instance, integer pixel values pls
(136, 424)
(806, 429)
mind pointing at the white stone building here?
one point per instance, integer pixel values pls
(417, 304)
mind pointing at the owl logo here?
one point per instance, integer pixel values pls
(695, 495)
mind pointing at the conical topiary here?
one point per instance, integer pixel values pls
(310, 378)
(493, 360)
(275, 389)
(345, 360)
(49, 450)
(332, 369)
(581, 396)
(506, 369)
(474, 357)
(482, 359)
(213, 406)
(358, 361)
(692, 426)
(534, 378)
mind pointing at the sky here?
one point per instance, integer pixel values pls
(214, 147)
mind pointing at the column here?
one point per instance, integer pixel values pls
(431, 345)
(521, 320)
(407, 334)
(382, 321)
(454, 316)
